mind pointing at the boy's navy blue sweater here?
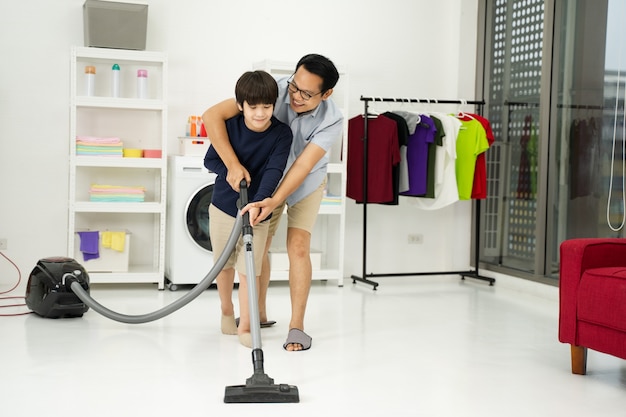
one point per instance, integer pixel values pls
(263, 154)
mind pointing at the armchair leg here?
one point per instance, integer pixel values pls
(579, 360)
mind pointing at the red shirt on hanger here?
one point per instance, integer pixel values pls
(383, 152)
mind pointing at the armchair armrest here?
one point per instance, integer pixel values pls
(576, 256)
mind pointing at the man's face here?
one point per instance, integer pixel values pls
(305, 91)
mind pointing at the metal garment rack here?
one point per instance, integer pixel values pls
(364, 277)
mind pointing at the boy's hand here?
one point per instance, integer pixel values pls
(235, 174)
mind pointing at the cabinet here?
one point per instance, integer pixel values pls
(327, 239)
(140, 123)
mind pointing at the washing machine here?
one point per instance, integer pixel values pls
(189, 255)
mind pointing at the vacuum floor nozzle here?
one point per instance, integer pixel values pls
(273, 393)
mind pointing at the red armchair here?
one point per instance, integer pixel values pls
(592, 298)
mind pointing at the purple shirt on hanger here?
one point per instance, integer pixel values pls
(417, 156)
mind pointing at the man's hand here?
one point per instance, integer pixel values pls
(264, 208)
(235, 174)
(254, 213)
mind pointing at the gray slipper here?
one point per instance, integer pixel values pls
(298, 337)
(264, 324)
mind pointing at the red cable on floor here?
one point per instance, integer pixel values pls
(19, 279)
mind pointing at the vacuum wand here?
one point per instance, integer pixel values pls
(247, 236)
(259, 388)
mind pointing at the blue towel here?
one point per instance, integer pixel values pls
(89, 245)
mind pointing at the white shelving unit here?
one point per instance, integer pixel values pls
(328, 237)
(141, 124)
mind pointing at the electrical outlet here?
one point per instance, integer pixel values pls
(415, 239)
(3, 244)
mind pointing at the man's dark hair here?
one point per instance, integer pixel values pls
(256, 87)
(322, 67)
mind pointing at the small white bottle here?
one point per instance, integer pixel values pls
(198, 126)
(115, 81)
(90, 77)
(142, 83)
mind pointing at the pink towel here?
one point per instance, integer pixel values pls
(98, 140)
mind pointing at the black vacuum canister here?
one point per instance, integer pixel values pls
(48, 292)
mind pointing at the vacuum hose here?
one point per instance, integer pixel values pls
(181, 302)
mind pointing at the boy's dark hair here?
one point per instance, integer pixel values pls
(322, 67)
(256, 87)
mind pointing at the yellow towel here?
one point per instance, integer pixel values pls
(118, 239)
(106, 239)
(114, 240)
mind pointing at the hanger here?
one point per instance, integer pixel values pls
(461, 114)
(373, 113)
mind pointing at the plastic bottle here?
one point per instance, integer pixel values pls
(193, 127)
(198, 126)
(90, 77)
(188, 128)
(115, 81)
(142, 83)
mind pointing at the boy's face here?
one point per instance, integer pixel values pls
(305, 91)
(258, 116)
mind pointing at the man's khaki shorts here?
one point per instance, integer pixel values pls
(301, 215)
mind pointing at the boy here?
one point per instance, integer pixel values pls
(262, 145)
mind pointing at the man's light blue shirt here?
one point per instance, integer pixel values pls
(321, 126)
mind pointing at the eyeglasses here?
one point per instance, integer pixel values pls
(293, 89)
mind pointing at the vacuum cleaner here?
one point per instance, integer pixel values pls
(58, 287)
(48, 291)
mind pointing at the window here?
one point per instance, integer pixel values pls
(555, 87)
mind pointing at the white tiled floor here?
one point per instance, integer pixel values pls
(422, 346)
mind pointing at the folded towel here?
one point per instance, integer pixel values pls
(99, 140)
(116, 189)
(105, 145)
(89, 245)
(117, 198)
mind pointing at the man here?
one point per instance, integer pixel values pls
(316, 123)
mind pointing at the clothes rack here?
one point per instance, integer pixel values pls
(364, 277)
(583, 106)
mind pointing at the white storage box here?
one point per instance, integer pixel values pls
(279, 260)
(110, 260)
(193, 146)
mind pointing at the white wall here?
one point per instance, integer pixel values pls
(404, 48)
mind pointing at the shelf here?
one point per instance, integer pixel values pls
(106, 54)
(113, 162)
(119, 103)
(335, 168)
(139, 123)
(144, 274)
(330, 209)
(113, 207)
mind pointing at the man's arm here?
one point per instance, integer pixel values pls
(214, 119)
(301, 167)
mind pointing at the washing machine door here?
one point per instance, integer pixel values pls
(197, 215)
